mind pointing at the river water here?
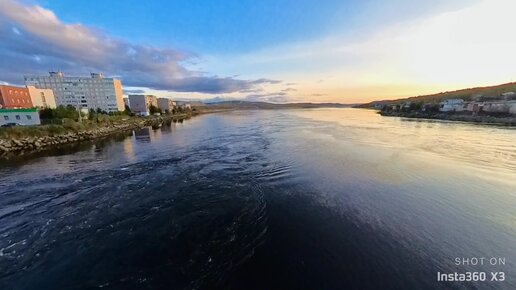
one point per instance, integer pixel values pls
(294, 199)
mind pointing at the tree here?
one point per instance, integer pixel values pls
(416, 106)
(61, 112)
(153, 110)
(46, 113)
(128, 111)
(92, 114)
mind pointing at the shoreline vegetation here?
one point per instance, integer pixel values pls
(25, 140)
(481, 105)
(63, 126)
(502, 119)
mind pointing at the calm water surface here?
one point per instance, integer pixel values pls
(299, 199)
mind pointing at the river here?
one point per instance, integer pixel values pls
(279, 199)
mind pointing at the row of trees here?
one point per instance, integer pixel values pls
(413, 107)
(61, 112)
(70, 112)
(177, 110)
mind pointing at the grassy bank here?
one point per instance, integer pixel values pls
(21, 140)
(68, 126)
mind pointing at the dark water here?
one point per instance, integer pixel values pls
(308, 199)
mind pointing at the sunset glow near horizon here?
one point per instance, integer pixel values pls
(277, 51)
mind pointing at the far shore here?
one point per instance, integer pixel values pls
(506, 119)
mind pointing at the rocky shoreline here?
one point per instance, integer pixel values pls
(28, 145)
(509, 120)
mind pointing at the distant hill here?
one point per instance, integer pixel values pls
(228, 105)
(466, 94)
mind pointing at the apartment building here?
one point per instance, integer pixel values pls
(140, 104)
(14, 97)
(166, 104)
(94, 92)
(42, 98)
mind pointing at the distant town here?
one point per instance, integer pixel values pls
(491, 104)
(22, 106)
(503, 104)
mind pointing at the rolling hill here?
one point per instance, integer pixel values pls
(466, 94)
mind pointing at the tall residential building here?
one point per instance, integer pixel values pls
(14, 97)
(166, 104)
(140, 104)
(95, 92)
(42, 98)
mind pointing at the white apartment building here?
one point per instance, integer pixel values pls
(42, 98)
(82, 92)
(451, 105)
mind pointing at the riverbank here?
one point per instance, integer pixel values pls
(482, 119)
(17, 141)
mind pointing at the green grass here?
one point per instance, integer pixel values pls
(68, 126)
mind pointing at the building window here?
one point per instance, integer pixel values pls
(29, 117)
(6, 118)
(18, 117)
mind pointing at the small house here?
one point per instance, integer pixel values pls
(451, 105)
(23, 117)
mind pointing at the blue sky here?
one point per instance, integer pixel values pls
(235, 26)
(283, 50)
(208, 26)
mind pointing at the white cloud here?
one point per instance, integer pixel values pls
(33, 39)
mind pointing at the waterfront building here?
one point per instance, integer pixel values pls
(14, 97)
(20, 116)
(166, 104)
(395, 107)
(127, 103)
(42, 98)
(379, 106)
(474, 107)
(461, 107)
(406, 106)
(451, 105)
(512, 107)
(509, 95)
(499, 107)
(140, 104)
(184, 105)
(94, 92)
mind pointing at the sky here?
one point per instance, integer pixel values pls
(271, 50)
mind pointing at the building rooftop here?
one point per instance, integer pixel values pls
(18, 110)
